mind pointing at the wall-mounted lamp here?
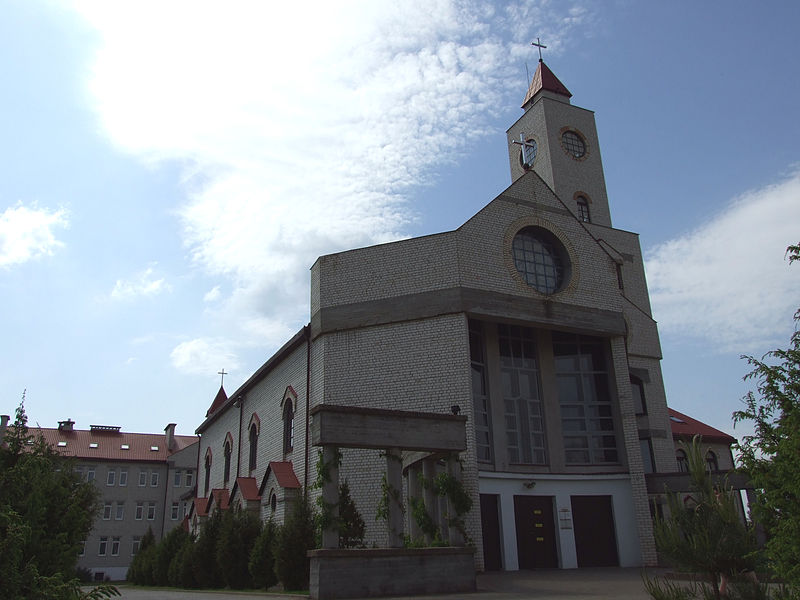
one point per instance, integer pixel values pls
(529, 485)
(455, 409)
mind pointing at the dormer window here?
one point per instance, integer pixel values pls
(62, 444)
(153, 448)
(93, 445)
(125, 447)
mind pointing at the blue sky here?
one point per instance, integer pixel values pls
(172, 170)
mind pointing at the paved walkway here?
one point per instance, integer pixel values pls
(572, 584)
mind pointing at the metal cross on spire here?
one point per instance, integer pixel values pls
(539, 45)
(222, 378)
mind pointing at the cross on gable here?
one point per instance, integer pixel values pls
(528, 150)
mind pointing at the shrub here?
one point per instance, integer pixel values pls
(262, 561)
(238, 532)
(294, 539)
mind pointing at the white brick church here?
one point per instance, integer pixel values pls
(532, 320)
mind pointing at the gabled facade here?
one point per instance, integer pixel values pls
(146, 481)
(532, 320)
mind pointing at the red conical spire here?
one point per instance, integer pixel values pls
(220, 399)
(544, 79)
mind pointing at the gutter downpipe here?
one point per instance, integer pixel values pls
(240, 401)
(308, 403)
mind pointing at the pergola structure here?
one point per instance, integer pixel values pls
(415, 438)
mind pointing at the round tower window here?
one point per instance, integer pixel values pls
(573, 144)
(541, 259)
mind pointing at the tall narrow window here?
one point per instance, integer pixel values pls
(480, 392)
(587, 421)
(115, 546)
(583, 209)
(288, 425)
(137, 540)
(711, 461)
(101, 550)
(519, 373)
(683, 461)
(123, 477)
(253, 446)
(111, 477)
(177, 478)
(227, 452)
(646, 448)
(637, 390)
(208, 473)
(189, 478)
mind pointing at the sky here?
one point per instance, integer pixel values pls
(171, 170)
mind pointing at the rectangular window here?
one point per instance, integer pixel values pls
(115, 546)
(480, 392)
(175, 508)
(637, 390)
(111, 479)
(120, 511)
(177, 481)
(587, 421)
(139, 511)
(82, 551)
(142, 477)
(184, 508)
(90, 474)
(137, 540)
(189, 478)
(123, 477)
(101, 551)
(646, 448)
(519, 375)
(154, 479)
(151, 511)
(107, 511)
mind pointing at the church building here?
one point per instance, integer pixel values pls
(531, 322)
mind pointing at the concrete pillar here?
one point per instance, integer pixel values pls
(330, 494)
(394, 479)
(414, 491)
(455, 537)
(431, 499)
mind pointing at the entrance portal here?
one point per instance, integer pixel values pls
(536, 529)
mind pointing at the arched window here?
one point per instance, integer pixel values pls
(227, 453)
(683, 462)
(273, 502)
(711, 461)
(637, 389)
(253, 445)
(583, 209)
(208, 473)
(288, 426)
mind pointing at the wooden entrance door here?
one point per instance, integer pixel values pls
(490, 526)
(595, 537)
(536, 532)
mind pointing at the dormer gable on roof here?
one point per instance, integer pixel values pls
(219, 498)
(219, 401)
(544, 80)
(284, 475)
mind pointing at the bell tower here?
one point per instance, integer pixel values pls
(559, 142)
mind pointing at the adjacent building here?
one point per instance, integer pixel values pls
(146, 481)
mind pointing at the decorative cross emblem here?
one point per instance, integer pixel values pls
(528, 150)
(539, 45)
(222, 379)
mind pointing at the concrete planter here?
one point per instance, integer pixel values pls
(390, 572)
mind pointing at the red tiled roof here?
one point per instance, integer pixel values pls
(247, 487)
(544, 79)
(221, 497)
(218, 402)
(284, 473)
(201, 506)
(111, 444)
(685, 427)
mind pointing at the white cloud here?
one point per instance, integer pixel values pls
(204, 356)
(728, 281)
(304, 126)
(143, 284)
(27, 233)
(212, 294)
